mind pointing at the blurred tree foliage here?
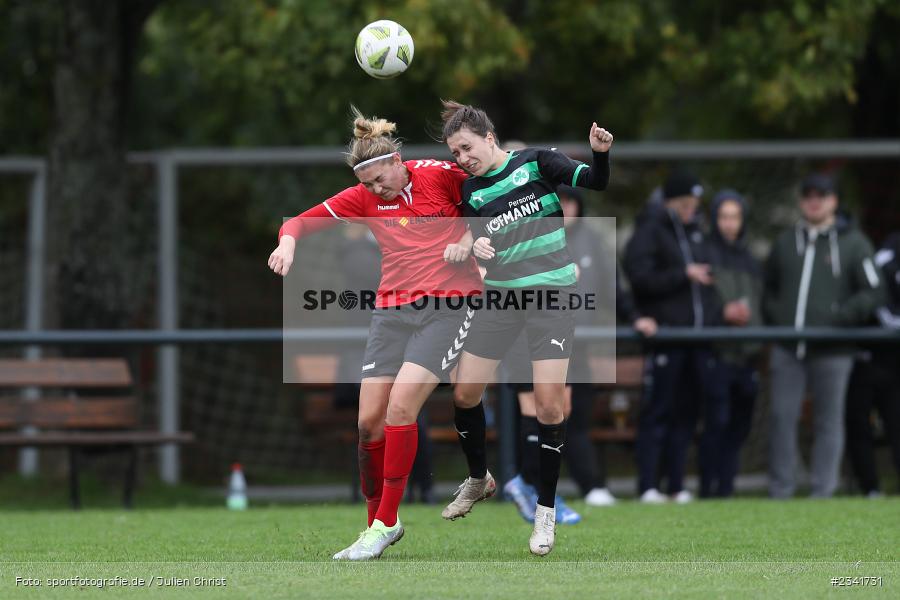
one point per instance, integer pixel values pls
(282, 73)
(278, 72)
(270, 73)
(705, 69)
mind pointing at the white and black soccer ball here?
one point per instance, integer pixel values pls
(384, 49)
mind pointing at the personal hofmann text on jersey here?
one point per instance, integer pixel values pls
(517, 207)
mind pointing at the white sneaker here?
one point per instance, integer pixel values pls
(683, 497)
(375, 540)
(467, 494)
(544, 534)
(652, 496)
(343, 554)
(599, 497)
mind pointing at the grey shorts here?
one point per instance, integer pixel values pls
(429, 337)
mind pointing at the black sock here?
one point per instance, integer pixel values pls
(530, 450)
(470, 428)
(552, 439)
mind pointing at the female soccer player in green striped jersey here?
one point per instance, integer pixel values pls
(516, 219)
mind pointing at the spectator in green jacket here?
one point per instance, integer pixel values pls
(819, 273)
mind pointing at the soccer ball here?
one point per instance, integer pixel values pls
(384, 49)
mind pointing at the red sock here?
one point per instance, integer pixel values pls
(371, 474)
(400, 445)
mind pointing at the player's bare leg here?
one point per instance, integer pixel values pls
(411, 388)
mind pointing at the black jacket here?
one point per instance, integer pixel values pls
(738, 276)
(888, 260)
(655, 261)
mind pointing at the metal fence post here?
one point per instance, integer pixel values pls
(168, 354)
(34, 295)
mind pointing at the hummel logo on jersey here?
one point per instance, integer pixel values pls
(432, 163)
(560, 344)
(388, 206)
(558, 449)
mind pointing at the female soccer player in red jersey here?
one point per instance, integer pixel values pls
(517, 223)
(411, 208)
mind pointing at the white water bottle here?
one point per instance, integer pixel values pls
(237, 489)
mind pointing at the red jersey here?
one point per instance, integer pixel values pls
(412, 230)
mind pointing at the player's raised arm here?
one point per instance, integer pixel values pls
(561, 169)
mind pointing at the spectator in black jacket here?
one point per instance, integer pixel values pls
(667, 263)
(875, 383)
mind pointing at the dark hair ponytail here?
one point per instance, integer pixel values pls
(457, 116)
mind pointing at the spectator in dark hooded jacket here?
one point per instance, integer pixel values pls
(729, 410)
(667, 262)
(875, 382)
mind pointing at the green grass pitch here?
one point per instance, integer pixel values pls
(753, 548)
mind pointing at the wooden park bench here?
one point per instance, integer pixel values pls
(323, 420)
(68, 419)
(606, 428)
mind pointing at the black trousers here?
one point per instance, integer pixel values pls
(579, 451)
(677, 384)
(727, 420)
(874, 384)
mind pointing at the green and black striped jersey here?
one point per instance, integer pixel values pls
(516, 206)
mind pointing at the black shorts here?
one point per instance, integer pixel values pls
(516, 368)
(429, 337)
(549, 326)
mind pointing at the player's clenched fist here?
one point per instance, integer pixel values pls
(600, 139)
(282, 258)
(456, 253)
